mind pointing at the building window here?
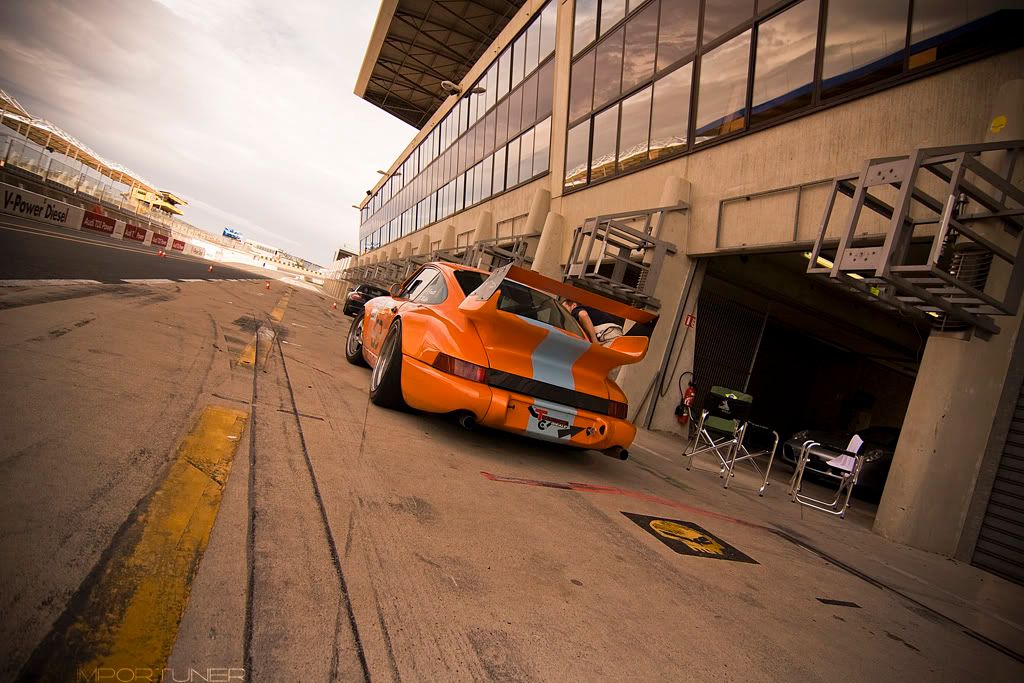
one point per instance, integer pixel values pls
(641, 42)
(581, 88)
(542, 146)
(577, 154)
(606, 133)
(585, 25)
(864, 42)
(677, 31)
(634, 133)
(612, 12)
(608, 70)
(784, 70)
(722, 92)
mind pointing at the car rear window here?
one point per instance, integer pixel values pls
(523, 301)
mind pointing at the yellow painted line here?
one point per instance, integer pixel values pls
(128, 617)
(248, 355)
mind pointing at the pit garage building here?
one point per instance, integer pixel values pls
(820, 198)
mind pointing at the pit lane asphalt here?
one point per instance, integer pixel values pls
(32, 251)
(357, 543)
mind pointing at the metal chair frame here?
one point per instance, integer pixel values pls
(846, 482)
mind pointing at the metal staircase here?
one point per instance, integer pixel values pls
(952, 249)
(620, 255)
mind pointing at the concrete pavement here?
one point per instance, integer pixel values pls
(355, 543)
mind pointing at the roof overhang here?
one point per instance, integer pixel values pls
(416, 44)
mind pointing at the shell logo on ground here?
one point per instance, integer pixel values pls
(693, 539)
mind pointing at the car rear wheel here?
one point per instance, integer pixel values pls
(386, 380)
(354, 343)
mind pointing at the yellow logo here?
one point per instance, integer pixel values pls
(998, 123)
(693, 539)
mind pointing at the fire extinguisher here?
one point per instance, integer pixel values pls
(683, 409)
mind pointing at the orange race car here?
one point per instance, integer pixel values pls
(499, 350)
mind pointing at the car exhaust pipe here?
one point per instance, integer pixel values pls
(617, 452)
(467, 421)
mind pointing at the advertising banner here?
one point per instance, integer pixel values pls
(178, 245)
(196, 251)
(134, 232)
(94, 221)
(18, 202)
(159, 240)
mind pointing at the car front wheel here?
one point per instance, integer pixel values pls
(386, 380)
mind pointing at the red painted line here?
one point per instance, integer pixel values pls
(636, 495)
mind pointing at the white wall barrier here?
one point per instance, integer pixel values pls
(19, 202)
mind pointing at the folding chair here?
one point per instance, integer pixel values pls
(847, 466)
(722, 425)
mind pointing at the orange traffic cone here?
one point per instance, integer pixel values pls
(334, 305)
(268, 285)
(210, 269)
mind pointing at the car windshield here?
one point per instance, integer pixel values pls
(523, 301)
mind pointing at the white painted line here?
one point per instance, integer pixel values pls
(148, 281)
(298, 325)
(191, 279)
(636, 445)
(291, 343)
(46, 283)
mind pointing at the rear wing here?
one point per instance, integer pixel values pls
(554, 287)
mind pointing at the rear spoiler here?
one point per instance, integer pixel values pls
(554, 287)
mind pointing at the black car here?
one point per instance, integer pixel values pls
(878, 449)
(357, 298)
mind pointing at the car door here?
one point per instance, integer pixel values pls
(381, 312)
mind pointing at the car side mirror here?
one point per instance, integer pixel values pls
(394, 289)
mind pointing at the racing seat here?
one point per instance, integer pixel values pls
(844, 467)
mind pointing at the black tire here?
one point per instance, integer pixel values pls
(386, 379)
(354, 343)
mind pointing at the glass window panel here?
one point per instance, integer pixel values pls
(487, 172)
(491, 83)
(611, 12)
(526, 156)
(606, 133)
(515, 112)
(670, 112)
(489, 133)
(548, 22)
(635, 130)
(864, 42)
(530, 101)
(608, 73)
(518, 59)
(545, 89)
(460, 185)
(512, 174)
(721, 16)
(576, 151)
(641, 40)
(934, 28)
(499, 170)
(541, 146)
(677, 31)
(585, 28)
(784, 67)
(501, 124)
(581, 89)
(722, 93)
(504, 73)
(532, 46)
(480, 130)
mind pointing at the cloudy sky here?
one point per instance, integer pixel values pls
(243, 107)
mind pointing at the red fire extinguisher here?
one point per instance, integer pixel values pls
(683, 409)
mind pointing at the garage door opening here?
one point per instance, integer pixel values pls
(814, 357)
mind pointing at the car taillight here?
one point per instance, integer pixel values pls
(355, 296)
(616, 409)
(460, 368)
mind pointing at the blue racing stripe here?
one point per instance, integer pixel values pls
(555, 355)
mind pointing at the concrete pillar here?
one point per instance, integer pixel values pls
(392, 253)
(932, 500)
(406, 249)
(540, 206)
(448, 239)
(636, 380)
(548, 259)
(424, 247)
(484, 230)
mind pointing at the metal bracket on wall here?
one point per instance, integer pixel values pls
(620, 255)
(953, 250)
